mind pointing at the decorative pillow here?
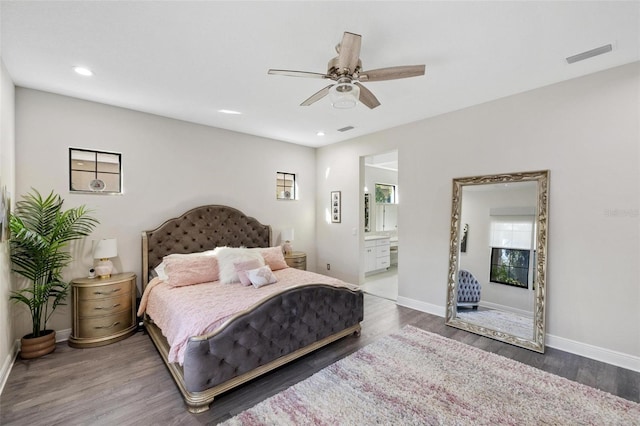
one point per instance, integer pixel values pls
(160, 269)
(188, 270)
(228, 257)
(273, 257)
(243, 267)
(261, 276)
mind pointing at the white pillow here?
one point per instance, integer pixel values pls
(228, 257)
(261, 276)
(161, 272)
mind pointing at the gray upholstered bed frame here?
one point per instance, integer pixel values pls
(272, 333)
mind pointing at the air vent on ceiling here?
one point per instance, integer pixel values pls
(590, 53)
(344, 129)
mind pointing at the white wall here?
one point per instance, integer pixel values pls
(586, 132)
(7, 179)
(169, 166)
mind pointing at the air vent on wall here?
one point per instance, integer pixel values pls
(590, 53)
(344, 129)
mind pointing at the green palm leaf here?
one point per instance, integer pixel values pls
(40, 235)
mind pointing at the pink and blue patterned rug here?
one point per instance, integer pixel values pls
(414, 377)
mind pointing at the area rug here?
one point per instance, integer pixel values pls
(414, 377)
(507, 322)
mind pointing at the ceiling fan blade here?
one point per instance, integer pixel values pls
(392, 73)
(349, 52)
(290, 73)
(317, 96)
(366, 97)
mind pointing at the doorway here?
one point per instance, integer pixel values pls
(379, 263)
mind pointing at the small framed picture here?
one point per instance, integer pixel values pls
(463, 240)
(335, 207)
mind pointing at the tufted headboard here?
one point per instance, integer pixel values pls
(199, 229)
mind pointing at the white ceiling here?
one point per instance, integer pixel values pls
(187, 60)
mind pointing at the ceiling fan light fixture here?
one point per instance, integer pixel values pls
(344, 95)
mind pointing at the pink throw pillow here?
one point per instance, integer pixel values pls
(274, 258)
(243, 267)
(189, 270)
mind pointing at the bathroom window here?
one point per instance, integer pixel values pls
(386, 193)
(95, 172)
(286, 186)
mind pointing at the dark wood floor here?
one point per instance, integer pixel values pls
(126, 383)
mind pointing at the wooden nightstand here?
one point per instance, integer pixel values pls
(104, 310)
(296, 259)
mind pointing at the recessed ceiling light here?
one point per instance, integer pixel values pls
(229, 111)
(320, 133)
(83, 71)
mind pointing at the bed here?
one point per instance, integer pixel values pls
(285, 325)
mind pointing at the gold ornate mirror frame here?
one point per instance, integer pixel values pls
(541, 222)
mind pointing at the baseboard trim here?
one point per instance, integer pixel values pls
(63, 335)
(421, 306)
(7, 365)
(597, 353)
(618, 359)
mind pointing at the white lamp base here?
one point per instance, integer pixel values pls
(103, 268)
(286, 247)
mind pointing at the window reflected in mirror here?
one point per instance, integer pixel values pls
(510, 267)
(512, 248)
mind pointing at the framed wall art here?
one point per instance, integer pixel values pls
(335, 207)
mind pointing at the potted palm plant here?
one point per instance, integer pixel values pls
(40, 235)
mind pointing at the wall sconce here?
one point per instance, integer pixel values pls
(105, 250)
(287, 237)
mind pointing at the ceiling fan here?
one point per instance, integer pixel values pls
(346, 70)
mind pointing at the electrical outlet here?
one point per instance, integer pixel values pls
(328, 266)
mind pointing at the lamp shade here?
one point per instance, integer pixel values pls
(105, 249)
(287, 234)
(344, 95)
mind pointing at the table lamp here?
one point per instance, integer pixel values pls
(287, 237)
(104, 250)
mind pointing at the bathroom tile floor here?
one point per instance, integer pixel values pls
(384, 284)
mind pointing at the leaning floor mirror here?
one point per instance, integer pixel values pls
(498, 257)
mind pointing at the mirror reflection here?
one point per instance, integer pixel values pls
(497, 258)
(386, 217)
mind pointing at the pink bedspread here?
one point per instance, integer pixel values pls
(182, 312)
